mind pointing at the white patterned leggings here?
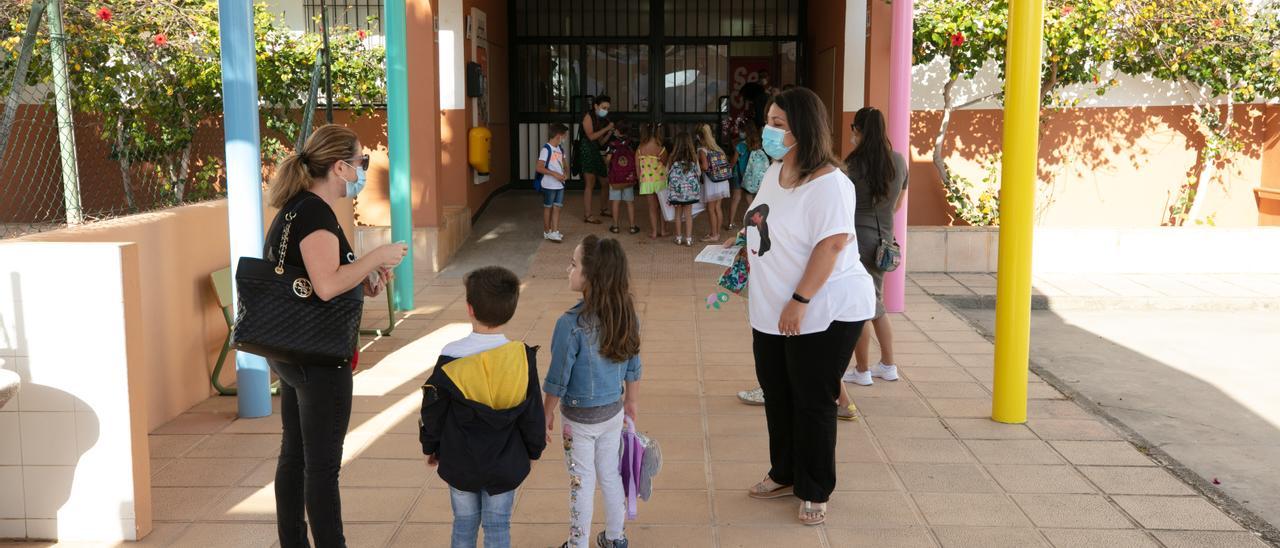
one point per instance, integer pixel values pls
(591, 453)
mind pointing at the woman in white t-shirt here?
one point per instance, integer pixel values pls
(809, 297)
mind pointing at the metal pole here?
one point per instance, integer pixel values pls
(309, 112)
(20, 73)
(328, 63)
(1017, 210)
(66, 126)
(398, 145)
(244, 178)
(895, 283)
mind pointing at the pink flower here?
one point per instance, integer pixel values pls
(1067, 10)
(104, 14)
(160, 40)
(957, 39)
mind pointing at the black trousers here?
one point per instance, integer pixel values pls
(315, 410)
(800, 376)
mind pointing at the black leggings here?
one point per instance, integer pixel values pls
(800, 376)
(315, 410)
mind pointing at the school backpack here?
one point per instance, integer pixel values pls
(537, 179)
(683, 185)
(718, 168)
(622, 166)
(757, 164)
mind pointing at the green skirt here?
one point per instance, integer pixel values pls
(589, 160)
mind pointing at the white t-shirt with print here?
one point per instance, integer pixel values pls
(783, 226)
(554, 162)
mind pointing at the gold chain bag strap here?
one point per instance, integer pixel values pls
(280, 317)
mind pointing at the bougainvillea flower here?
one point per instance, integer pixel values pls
(957, 39)
(104, 14)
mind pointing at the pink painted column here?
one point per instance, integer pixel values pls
(895, 283)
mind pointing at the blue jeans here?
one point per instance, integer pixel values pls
(553, 197)
(472, 509)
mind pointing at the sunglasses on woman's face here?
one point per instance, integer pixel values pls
(362, 162)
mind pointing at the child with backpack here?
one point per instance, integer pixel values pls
(684, 185)
(740, 155)
(595, 351)
(651, 168)
(549, 180)
(757, 163)
(716, 171)
(623, 174)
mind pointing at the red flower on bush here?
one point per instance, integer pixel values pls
(1066, 10)
(104, 14)
(957, 39)
(360, 34)
(160, 40)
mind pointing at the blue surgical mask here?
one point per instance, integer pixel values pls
(602, 113)
(354, 187)
(771, 139)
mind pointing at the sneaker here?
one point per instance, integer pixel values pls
(557, 237)
(546, 235)
(886, 372)
(603, 542)
(862, 378)
(755, 396)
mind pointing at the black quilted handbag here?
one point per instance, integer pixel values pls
(280, 317)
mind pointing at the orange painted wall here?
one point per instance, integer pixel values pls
(825, 30)
(424, 112)
(177, 250)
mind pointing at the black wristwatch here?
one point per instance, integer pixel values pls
(797, 298)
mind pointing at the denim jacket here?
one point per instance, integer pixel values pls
(578, 374)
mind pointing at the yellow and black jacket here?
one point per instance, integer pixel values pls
(482, 418)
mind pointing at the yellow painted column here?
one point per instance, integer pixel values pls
(1017, 210)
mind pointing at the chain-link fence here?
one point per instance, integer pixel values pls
(120, 113)
(67, 157)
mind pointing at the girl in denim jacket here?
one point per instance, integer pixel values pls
(595, 349)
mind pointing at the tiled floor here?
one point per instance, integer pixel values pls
(922, 467)
(1111, 290)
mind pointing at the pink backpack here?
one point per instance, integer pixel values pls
(622, 165)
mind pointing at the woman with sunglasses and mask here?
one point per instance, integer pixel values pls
(808, 299)
(315, 400)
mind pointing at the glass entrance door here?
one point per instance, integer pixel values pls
(674, 62)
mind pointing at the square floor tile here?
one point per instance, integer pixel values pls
(962, 407)
(1208, 539)
(204, 472)
(173, 446)
(893, 407)
(182, 503)
(237, 445)
(945, 478)
(377, 503)
(908, 427)
(1088, 538)
(867, 509)
(925, 450)
(1190, 513)
(1072, 429)
(1078, 511)
(1102, 453)
(740, 536)
(905, 537)
(987, 429)
(736, 509)
(864, 476)
(246, 535)
(986, 537)
(1013, 452)
(364, 472)
(970, 510)
(1039, 478)
(951, 390)
(1135, 480)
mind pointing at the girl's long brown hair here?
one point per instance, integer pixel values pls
(607, 301)
(683, 150)
(327, 145)
(808, 121)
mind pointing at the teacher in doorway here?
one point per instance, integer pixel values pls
(809, 297)
(594, 132)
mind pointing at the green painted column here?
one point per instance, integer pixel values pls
(398, 146)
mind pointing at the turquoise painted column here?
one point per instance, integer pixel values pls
(244, 176)
(895, 283)
(398, 146)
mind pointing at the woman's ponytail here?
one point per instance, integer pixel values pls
(327, 145)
